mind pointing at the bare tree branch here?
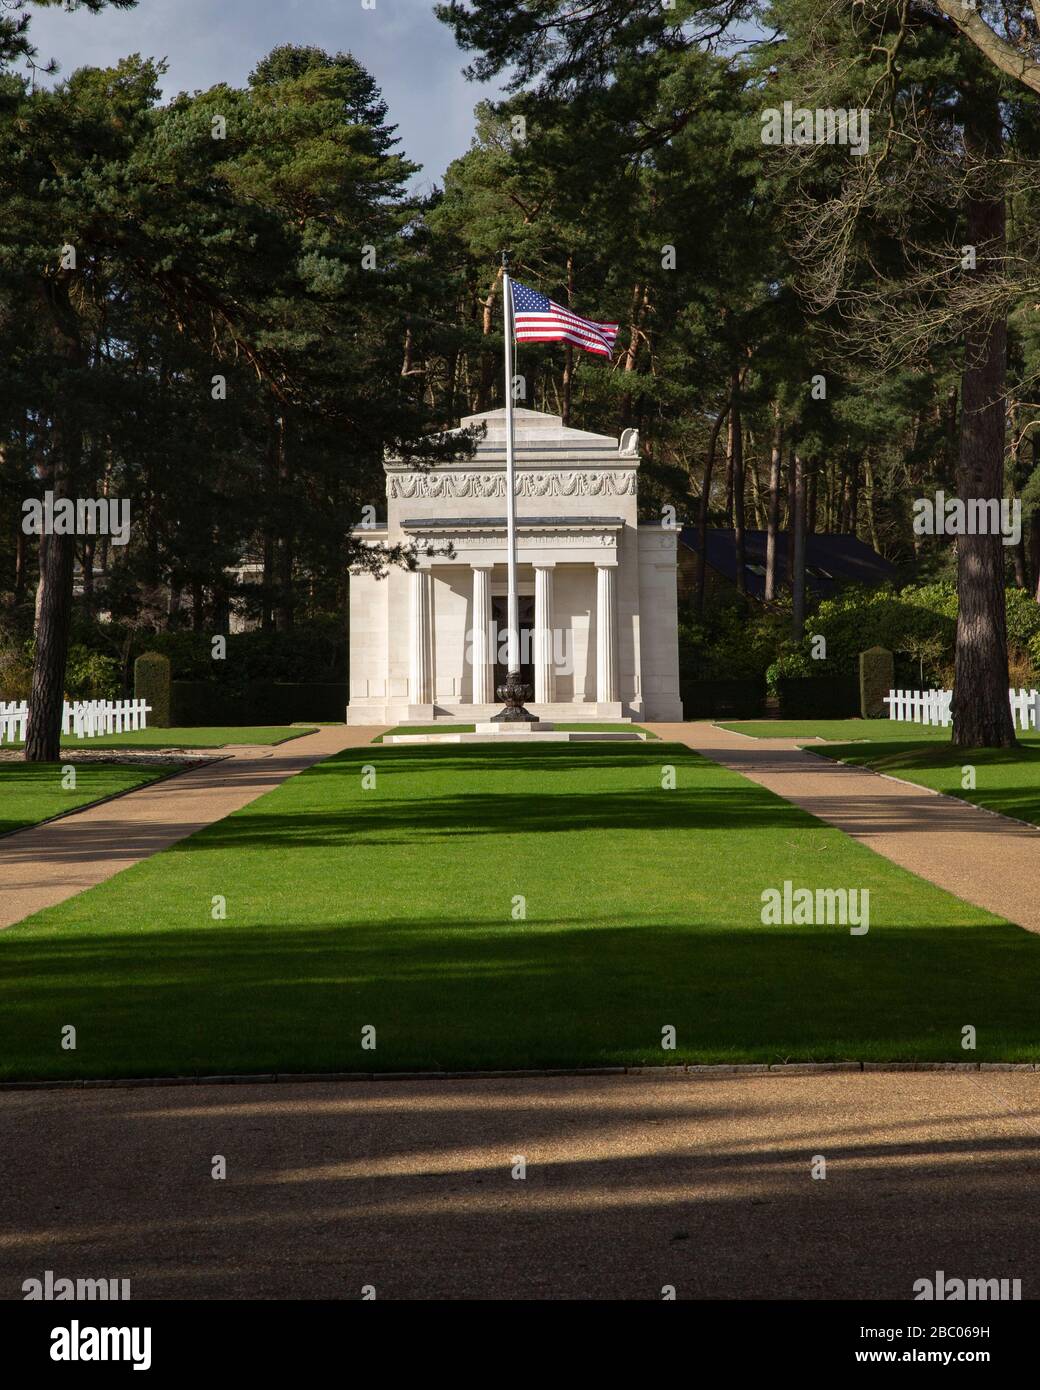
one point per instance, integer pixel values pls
(1015, 60)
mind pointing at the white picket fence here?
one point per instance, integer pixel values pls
(920, 706)
(81, 718)
(934, 707)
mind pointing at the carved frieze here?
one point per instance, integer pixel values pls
(614, 482)
(494, 540)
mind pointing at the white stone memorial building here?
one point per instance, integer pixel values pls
(597, 588)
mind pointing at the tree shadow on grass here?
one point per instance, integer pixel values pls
(483, 757)
(484, 994)
(1020, 798)
(336, 814)
(897, 754)
(480, 814)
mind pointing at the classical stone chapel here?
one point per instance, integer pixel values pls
(598, 637)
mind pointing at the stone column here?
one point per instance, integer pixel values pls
(543, 636)
(483, 662)
(420, 673)
(606, 635)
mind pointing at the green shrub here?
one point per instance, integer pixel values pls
(728, 643)
(313, 651)
(1023, 619)
(789, 665)
(91, 675)
(860, 618)
(15, 672)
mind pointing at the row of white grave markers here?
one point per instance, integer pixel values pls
(934, 707)
(81, 718)
(1025, 708)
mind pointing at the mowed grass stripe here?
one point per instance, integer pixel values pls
(392, 908)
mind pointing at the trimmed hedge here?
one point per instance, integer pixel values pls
(152, 683)
(197, 703)
(877, 676)
(818, 697)
(741, 699)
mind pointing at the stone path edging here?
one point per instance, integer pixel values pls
(690, 1069)
(929, 791)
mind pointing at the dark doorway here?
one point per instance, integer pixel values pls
(525, 614)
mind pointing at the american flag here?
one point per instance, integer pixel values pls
(536, 319)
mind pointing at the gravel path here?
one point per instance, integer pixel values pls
(983, 858)
(632, 1183)
(48, 863)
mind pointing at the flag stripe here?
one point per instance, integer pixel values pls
(537, 319)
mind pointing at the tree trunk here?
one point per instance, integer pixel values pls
(406, 361)
(283, 613)
(21, 563)
(57, 553)
(1018, 557)
(54, 605)
(221, 608)
(871, 514)
(810, 503)
(792, 510)
(758, 510)
(198, 606)
(489, 360)
(451, 370)
(628, 362)
(737, 462)
(702, 520)
(567, 380)
(981, 712)
(798, 566)
(773, 516)
(568, 349)
(269, 555)
(87, 562)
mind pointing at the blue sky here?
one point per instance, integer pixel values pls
(412, 56)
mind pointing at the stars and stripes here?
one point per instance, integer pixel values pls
(536, 319)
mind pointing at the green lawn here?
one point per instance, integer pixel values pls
(846, 730)
(393, 908)
(1006, 779)
(32, 792)
(187, 738)
(471, 728)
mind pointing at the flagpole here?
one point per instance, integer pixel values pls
(514, 691)
(513, 612)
